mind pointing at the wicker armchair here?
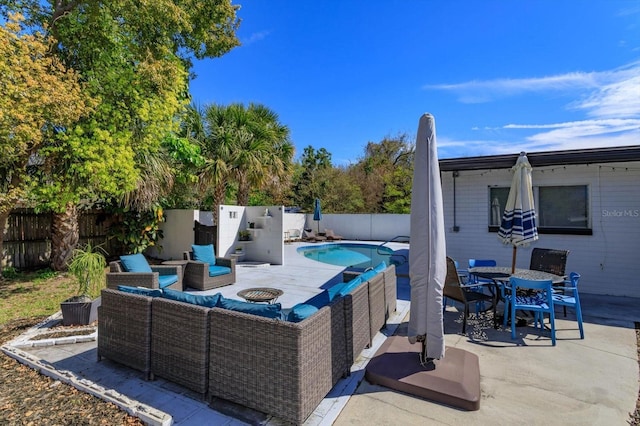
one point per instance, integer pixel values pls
(196, 274)
(118, 276)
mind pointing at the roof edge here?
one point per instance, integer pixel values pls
(548, 158)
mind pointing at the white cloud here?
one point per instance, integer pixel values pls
(255, 37)
(609, 99)
(614, 81)
(488, 90)
(618, 99)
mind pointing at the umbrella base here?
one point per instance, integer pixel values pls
(453, 380)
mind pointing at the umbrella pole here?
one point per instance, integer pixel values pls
(513, 260)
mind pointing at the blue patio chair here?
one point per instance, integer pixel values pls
(478, 281)
(569, 298)
(473, 263)
(539, 303)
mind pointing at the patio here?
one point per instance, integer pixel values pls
(591, 381)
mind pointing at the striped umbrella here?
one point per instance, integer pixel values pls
(518, 226)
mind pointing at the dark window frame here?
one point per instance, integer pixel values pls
(557, 230)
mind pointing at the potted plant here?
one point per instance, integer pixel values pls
(244, 235)
(239, 250)
(87, 265)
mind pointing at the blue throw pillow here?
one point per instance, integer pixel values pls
(366, 276)
(319, 300)
(140, 290)
(261, 309)
(135, 263)
(348, 287)
(301, 311)
(204, 254)
(381, 267)
(334, 291)
(194, 299)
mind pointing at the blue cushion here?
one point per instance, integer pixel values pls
(380, 267)
(167, 280)
(348, 287)
(301, 311)
(319, 300)
(335, 291)
(204, 254)
(195, 299)
(366, 276)
(216, 270)
(140, 290)
(261, 309)
(135, 263)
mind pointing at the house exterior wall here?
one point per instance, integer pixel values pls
(606, 260)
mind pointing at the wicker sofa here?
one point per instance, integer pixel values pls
(275, 366)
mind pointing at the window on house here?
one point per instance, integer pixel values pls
(559, 209)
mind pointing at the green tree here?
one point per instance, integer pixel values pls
(135, 58)
(384, 174)
(312, 180)
(38, 96)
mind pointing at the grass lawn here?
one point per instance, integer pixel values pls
(31, 294)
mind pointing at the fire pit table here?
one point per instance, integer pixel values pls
(260, 294)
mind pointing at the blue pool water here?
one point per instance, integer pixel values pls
(348, 254)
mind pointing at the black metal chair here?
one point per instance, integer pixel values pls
(552, 261)
(465, 294)
(549, 260)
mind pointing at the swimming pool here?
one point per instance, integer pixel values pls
(348, 254)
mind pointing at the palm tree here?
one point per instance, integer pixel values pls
(247, 146)
(267, 160)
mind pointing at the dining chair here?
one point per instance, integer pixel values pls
(454, 289)
(474, 279)
(552, 261)
(569, 298)
(538, 302)
(473, 263)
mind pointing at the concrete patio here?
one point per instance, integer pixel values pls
(590, 381)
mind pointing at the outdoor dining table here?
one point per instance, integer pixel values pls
(500, 276)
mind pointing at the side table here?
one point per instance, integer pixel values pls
(260, 294)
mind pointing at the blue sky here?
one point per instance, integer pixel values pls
(498, 76)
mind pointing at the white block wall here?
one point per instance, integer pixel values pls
(377, 227)
(178, 232)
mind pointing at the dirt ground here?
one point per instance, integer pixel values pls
(29, 398)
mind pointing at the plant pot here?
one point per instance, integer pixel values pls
(79, 312)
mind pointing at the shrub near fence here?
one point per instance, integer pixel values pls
(27, 238)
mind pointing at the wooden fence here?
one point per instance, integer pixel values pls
(27, 238)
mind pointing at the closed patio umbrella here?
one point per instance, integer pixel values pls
(427, 254)
(518, 225)
(317, 212)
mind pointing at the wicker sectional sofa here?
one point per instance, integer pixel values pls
(274, 366)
